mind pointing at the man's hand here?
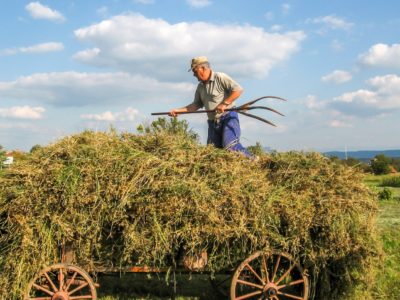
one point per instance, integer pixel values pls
(221, 108)
(173, 113)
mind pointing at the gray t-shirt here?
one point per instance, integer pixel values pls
(211, 93)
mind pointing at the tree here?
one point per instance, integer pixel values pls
(35, 148)
(380, 164)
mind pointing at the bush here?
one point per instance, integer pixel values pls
(385, 194)
(380, 165)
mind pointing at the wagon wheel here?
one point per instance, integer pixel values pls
(272, 276)
(61, 282)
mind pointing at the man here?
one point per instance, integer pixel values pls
(216, 91)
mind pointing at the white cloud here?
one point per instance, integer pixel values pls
(337, 76)
(382, 97)
(39, 11)
(276, 28)
(198, 3)
(339, 124)
(382, 55)
(286, 8)
(80, 89)
(128, 115)
(35, 49)
(313, 103)
(22, 112)
(159, 49)
(332, 22)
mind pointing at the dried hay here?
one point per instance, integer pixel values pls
(124, 200)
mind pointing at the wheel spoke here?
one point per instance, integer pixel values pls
(264, 265)
(78, 288)
(249, 295)
(50, 281)
(290, 284)
(61, 278)
(255, 274)
(276, 267)
(284, 275)
(71, 280)
(250, 284)
(38, 287)
(290, 296)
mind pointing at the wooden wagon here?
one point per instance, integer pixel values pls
(272, 275)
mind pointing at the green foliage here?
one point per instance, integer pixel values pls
(2, 155)
(380, 164)
(385, 194)
(169, 126)
(257, 149)
(392, 181)
(35, 148)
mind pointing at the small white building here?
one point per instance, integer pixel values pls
(9, 160)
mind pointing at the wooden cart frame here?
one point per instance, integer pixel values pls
(270, 275)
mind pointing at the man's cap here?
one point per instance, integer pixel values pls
(197, 61)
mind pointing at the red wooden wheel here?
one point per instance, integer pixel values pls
(272, 276)
(61, 282)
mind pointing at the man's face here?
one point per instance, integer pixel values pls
(201, 73)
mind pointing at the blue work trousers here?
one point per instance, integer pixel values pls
(225, 133)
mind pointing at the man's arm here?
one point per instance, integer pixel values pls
(191, 107)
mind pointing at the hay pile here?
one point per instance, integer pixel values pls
(124, 199)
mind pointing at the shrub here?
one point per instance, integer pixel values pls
(385, 194)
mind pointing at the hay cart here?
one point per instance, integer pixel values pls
(272, 275)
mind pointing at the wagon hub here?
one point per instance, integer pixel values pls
(60, 296)
(270, 290)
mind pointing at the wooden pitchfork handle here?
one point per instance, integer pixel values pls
(246, 106)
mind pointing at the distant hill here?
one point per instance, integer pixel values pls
(364, 154)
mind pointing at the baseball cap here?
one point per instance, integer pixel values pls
(197, 61)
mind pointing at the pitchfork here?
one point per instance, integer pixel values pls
(240, 109)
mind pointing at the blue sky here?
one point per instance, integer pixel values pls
(67, 66)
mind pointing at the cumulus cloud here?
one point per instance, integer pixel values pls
(80, 89)
(382, 55)
(337, 76)
(154, 47)
(332, 22)
(198, 3)
(128, 115)
(35, 49)
(40, 11)
(383, 96)
(22, 112)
